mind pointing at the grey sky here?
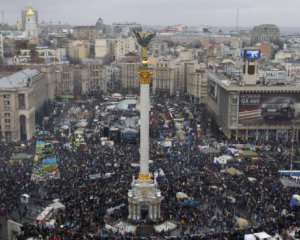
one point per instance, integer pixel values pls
(160, 12)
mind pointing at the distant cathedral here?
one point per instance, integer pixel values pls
(29, 21)
(31, 25)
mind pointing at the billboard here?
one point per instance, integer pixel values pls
(250, 54)
(268, 108)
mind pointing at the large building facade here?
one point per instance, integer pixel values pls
(90, 33)
(254, 112)
(114, 47)
(129, 78)
(265, 33)
(21, 94)
(94, 78)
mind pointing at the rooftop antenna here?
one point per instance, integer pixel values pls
(2, 17)
(237, 19)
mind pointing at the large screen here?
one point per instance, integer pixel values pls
(250, 54)
(268, 108)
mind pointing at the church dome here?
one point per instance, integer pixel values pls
(29, 12)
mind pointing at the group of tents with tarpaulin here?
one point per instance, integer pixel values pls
(295, 201)
(45, 160)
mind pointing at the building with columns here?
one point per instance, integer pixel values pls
(94, 76)
(21, 95)
(197, 86)
(163, 77)
(129, 77)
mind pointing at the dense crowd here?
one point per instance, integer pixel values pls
(223, 198)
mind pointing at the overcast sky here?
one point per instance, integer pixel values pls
(160, 12)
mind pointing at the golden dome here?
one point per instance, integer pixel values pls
(29, 12)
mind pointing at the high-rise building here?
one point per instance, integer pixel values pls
(79, 49)
(197, 86)
(115, 47)
(94, 77)
(123, 29)
(163, 78)
(129, 78)
(90, 33)
(265, 33)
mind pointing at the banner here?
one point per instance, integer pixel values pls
(268, 108)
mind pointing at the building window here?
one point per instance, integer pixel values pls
(7, 114)
(21, 100)
(6, 96)
(7, 121)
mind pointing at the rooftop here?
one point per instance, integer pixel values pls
(230, 84)
(18, 79)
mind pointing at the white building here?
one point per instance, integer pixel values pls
(31, 29)
(49, 55)
(124, 46)
(94, 76)
(115, 47)
(197, 86)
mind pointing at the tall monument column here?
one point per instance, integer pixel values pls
(145, 193)
(145, 75)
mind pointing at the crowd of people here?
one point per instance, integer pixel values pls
(223, 198)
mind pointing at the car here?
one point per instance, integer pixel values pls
(278, 107)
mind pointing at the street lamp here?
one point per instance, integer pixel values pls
(291, 160)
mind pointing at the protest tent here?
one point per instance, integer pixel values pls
(248, 153)
(181, 195)
(57, 206)
(211, 151)
(165, 226)
(241, 223)
(25, 198)
(262, 235)
(20, 157)
(234, 171)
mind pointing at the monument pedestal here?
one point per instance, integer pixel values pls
(144, 200)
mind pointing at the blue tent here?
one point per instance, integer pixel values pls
(293, 202)
(49, 160)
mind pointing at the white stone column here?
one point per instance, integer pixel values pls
(144, 128)
(129, 211)
(158, 210)
(138, 212)
(150, 211)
